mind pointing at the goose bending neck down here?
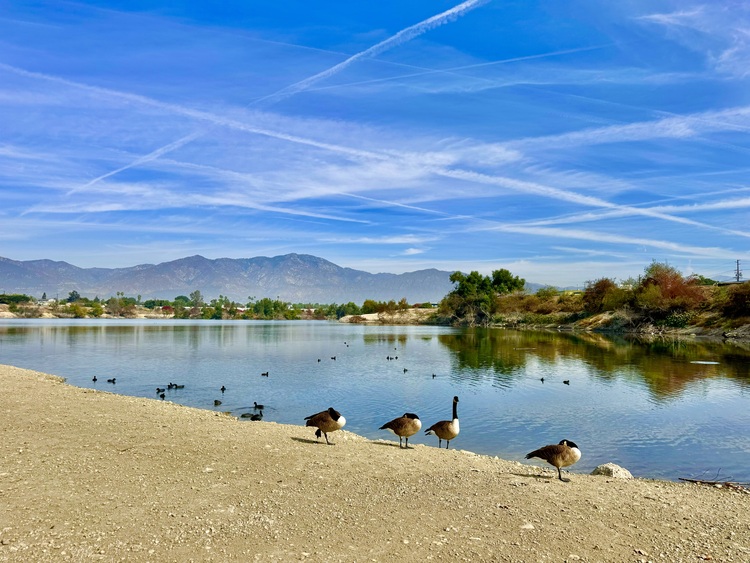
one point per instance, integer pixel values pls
(446, 429)
(564, 454)
(403, 427)
(326, 421)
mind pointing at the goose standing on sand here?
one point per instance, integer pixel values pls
(446, 429)
(564, 454)
(326, 421)
(404, 426)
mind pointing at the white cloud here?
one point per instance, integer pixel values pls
(719, 30)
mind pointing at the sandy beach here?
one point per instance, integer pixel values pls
(92, 476)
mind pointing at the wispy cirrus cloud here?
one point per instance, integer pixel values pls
(720, 30)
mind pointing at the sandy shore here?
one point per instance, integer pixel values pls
(91, 476)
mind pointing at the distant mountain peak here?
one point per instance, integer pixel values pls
(296, 278)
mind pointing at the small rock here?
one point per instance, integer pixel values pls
(612, 470)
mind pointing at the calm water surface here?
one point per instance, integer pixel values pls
(665, 409)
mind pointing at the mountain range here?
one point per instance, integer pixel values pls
(294, 278)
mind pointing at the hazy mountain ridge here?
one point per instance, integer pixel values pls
(292, 277)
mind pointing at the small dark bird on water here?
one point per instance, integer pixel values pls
(564, 454)
(162, 395)
(160, 390)
(257, 406)
(217, 402)
(257, 416)
(446, 429)
(542, 380)
(223, 388)
(326, 421)
(111, 380)
(403, 427)
(333, 357)
(264, 374)
(94, 379)
(566, 382)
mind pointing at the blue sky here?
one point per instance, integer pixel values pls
(564, 141)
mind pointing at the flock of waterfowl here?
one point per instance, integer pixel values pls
(563, 454)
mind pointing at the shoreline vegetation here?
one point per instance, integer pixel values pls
(90, 475)
(662, 302)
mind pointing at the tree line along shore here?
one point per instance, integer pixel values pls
(662, 300)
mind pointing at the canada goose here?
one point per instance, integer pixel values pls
(446, 429)
(558, 455)
(326, 421)
(404, 426)
(111, 380)
(217, 402)
(257, 406)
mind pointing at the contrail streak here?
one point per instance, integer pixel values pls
(394, 41)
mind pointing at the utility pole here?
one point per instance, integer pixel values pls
(738, 272)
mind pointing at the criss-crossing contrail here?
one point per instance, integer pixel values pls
(399, 38)
(393, 41)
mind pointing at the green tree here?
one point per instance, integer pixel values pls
(369, 306)
(196, 298)
(73, 296)
(77, 310)
(505, 282)
(472, 301)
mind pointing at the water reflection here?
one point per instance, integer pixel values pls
(661, 408)
(666, 366)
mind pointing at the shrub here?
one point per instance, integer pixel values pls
(595, 295)
(737, 301)
(664, 290)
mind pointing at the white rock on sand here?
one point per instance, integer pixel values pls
(92, 476)
(612, 470)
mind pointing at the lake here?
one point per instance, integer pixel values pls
(662, 409)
